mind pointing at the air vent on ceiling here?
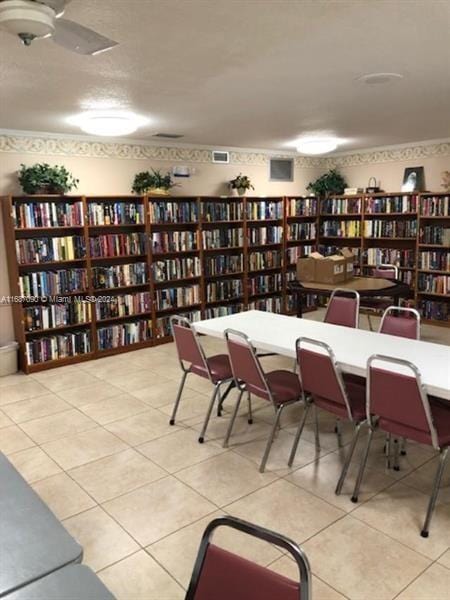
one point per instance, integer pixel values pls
(281, 169)
(220, 156)
(169, 136)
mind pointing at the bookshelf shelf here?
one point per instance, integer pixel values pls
(124, 318)
(53, 263)
(33, 230)
(51, 330)
(236, 275)
(118, 257)
(176, 282)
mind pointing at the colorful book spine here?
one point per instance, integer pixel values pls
(435, 234)
(48, 283)
(270, 259)
(222, 311)
(175, 297)
(391, 204)
(296, 252)
(438, 260)
(224, 289)
(437, 311)
(391, 228)
(115, 213)
(123, 305)
(341, 206)
(174, 212)
(302, 207)
(434, 284)
(272, 304)
(264, 284)
(43, 250)
(56, 315)
(302, 231)
(124, 334)
(120, 244)
(163, 328)
(435, 206)
(260, 236)
(29, 215)
(347, 228)
(174, 241)
(223, 238)
(389, 256)
(54, 347)
(222, 211)
(176, 268)
(224, 264)
(119, 276)
(261, 210)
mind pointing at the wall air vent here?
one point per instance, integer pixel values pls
(169, 136)
(281, 169)
(220, 156)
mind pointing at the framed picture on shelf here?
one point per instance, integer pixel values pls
(413, 180)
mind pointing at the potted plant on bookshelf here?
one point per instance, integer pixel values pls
(41, 178)
(153, 182)
(241, 184)
(328, 184)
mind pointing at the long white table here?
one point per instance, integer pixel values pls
(352, 347)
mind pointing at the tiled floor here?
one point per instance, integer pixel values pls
(95, 443)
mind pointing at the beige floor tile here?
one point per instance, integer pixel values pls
(104, 541)
(80, 396)
(137, 380)
(199, 384)
(13, 439)
(287, 509)
(142, 428)
(192, 405)
(34, 408)
(57, 426)
(139, 577)
(114, 409)
(13, 379)
(321, 477)
(399, 511)
(327, 436)
(422, 479)
(243, 433)
(33, 464)
(225, 478)
(115, 475)
(179, 450)
(180, 564)
(21, 391)
(162, 394)
(320, 590)
(85, 447)
(66, 380)
(445, 559)
(434, 583)
(362, 563)
(158, 509)
(4, 420)
(63, 496)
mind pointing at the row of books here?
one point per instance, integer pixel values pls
(301, 207)
(302, 231)
(55, 347)
(222, 311)
(435, 260)
(225, 263)
(222, 211)
(264, 209)
(46, 283)
(173, 212)
(341, 206)
(125, 334)
(344, 228)
(119, 275)
(116, 213)
(272, 304)
(438, 311)
(262, 284)
(407, 277)
(163, 328)
(391, 204)
(390, 256)
(435, 234)
(222, 238)
(117, 244)
(42, 250)
(293, 254)
(123, 305)
(48, 214)
(177, 296)
(435, 206)
(176, 268)
(259, 236)
(174, 241)
(224, 289)
(264, 260)
(56, 315)
(436, 284)
(377, 228)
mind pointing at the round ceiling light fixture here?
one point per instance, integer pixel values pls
(379, 78)
(316, 145)
(108, 123)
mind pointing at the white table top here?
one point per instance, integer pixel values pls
(352, 347)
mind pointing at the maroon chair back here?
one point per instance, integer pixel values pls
(245, 364)
(188, 348)
(343, 310)
(320, 377)
(385, 272)
(401, 321)
(222, 575)
(399, 400)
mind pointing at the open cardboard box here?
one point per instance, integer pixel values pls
(322, 269)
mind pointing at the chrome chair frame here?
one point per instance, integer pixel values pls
(345, 293)
(401, 309)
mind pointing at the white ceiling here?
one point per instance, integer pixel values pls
(243, 73)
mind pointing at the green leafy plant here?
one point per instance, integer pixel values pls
(146, 181)
(44, 179)
(327, 184)
(241, 182)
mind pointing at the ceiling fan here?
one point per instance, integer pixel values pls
(31, 19)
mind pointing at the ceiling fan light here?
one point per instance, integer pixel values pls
(108, 124)
(317, 145)
(31, 19)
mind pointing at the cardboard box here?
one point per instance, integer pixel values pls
(349, 263)
(306, 269)
(330, 269)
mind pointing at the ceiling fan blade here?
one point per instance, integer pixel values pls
(75, 37)
(57, 5)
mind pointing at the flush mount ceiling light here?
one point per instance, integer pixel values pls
(379, 78)
(316, 145)
(108, 123)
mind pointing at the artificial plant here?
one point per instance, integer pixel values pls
(328, 184)
(44, 179)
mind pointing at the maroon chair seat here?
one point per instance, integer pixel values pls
(218, 368)
(222, 575)
(343, 309)
(285, 386)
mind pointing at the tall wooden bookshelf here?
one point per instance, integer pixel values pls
(152, 257)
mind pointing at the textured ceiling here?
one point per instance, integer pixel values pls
(249, 73)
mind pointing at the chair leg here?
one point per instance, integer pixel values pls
(387, 450)
(201, 439)
(338, 432)
(270, 440)
(362, 467)
(233, 419)
(250, 413)
(223, 398)
(298, 434)
(370, 322)
(178, 398)
(403, 447)
(316, 427)
(348, 459)
(396, 455)
(434, 494)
